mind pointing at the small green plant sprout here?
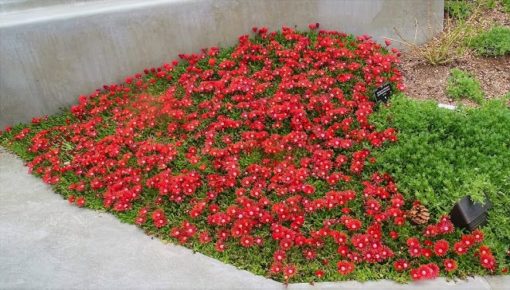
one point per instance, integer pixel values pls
(461, 85)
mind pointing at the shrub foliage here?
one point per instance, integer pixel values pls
(494, 42)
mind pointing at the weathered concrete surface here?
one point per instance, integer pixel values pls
(17, 5)
(46, 243)
(50, 55)
(498, 282)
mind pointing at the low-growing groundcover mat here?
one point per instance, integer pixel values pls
(443, 155)
(263, 155)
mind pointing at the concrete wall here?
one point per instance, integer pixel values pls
(18, 5)
(50, 55)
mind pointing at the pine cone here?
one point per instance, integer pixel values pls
(418, 214)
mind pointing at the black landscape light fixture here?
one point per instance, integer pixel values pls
(469, 215)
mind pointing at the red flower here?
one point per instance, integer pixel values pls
(204, 237)
(220, 246)
(247, 241)
(427, 253)
(139, 220)
(308, 189)
(313, 26)
(460, 248)
(445, 225)
(441, 248)
(309, 254)
(159, 218)
(289, 270)
(468, 240)
(276, 268)
(450, 265)
(427, 271)
(488, 261)
(484, 250)
(343, 250)
(80, 201)
(401, 265)
(415, 251)
(279, 256)
(478, 236)
(431, 231)
(345, 267)
(319, 273)
(413, 242)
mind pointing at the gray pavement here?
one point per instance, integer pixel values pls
(46, 243)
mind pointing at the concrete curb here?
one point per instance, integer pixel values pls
(45, 243)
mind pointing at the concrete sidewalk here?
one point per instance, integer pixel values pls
(46, 243)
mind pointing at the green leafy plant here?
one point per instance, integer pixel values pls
(478, 187)
(463, 9)
(487, 4)
(494, 42)
(459, 9)
(506, 5)
(461, 85)
(443, 155)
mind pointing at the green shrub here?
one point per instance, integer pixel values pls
(443, 155)
(458, 9)
(506, 5)
(487, 4)
(461, 85)
(495, 42)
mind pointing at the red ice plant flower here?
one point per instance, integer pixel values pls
(289, 271)
(80, 201)
(427, 271)
(460, 248)
(345, 267)
(268, 143)
(486, 258)
(450, 265)
(441, 248)
(159, 218)
(401, 265)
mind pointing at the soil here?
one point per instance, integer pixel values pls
(426, 81)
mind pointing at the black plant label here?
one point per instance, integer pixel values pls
(383, 93)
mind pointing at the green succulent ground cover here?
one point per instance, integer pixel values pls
(443, 155)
